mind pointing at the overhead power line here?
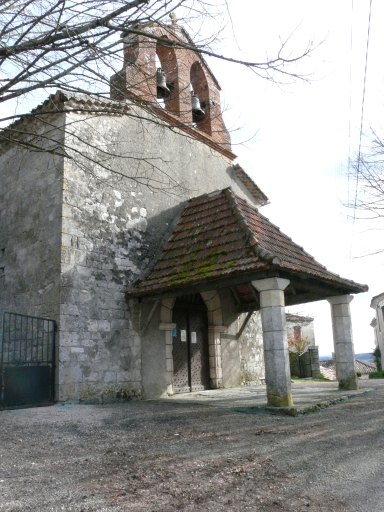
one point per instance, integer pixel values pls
(362, 112)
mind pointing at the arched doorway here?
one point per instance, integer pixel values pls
(190, 344)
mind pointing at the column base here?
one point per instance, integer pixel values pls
(276, 400)
(216, 383)
(348, 383)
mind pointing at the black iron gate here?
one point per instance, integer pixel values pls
(27, 361)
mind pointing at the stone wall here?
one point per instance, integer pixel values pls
(251, 351)
(104, 220)
(243, 358)
(30, 219)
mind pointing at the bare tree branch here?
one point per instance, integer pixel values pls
(75, 46)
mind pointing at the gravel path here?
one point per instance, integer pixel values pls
(163, 457)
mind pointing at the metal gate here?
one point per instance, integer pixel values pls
(190, 345)
(27, 361)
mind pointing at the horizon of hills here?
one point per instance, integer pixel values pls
(363, 356)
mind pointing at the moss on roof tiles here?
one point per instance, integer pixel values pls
(219, 235)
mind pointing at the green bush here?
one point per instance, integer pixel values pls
(376, 375)
(377, 358)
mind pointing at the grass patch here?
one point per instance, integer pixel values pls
(377, 375)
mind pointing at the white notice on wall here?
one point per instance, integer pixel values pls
(193, 337)
(183, 335)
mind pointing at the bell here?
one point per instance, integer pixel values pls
(162, 88)
(198, 113)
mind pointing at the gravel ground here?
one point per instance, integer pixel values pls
(163, 457)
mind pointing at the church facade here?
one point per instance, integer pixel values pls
(127, 222)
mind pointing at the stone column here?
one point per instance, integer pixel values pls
(214, 345)
(276, 357)
(168, 328)
(342, 339)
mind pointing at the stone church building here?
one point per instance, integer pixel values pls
(127, 222)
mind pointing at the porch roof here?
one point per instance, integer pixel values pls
(220, 240)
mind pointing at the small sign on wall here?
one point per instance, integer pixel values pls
(193, 337)
(183, 335)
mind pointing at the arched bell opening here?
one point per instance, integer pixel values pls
(200, 105)
(167, 80)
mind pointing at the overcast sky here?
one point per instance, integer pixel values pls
(306, 130)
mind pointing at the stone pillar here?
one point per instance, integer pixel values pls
(214, 345)
(342, 339)
(168, 328)
(276, 357)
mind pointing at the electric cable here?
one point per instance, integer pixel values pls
(362, 112)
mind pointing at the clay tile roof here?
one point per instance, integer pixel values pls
(220, 236)
(259, 196)
(298, 318)
(365, 366)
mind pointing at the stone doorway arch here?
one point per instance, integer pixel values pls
(215, 328)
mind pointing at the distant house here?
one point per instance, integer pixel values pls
(305, 364)
(377, 303)
(299, 326)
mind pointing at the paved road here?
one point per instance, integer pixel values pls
(163, 457)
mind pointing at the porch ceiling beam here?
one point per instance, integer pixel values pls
(301, 290)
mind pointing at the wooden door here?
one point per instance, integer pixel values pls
(190, 345)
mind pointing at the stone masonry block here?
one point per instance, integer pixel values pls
(109, 377)
(275, 340)
(165, 314)
(217, 317)
(345, 369)
(273, 319)
(342, 330)
(215, 351)
(340, 310)
(168, 351)
(344, 353)
(216, 373)
(277, 362)
(208, 296)
(272, 298)
(219, 373)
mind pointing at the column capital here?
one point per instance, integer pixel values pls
(163, 326)
(271, 283)
(217, 328)
(340, 299)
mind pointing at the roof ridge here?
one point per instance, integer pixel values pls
(252, 241)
